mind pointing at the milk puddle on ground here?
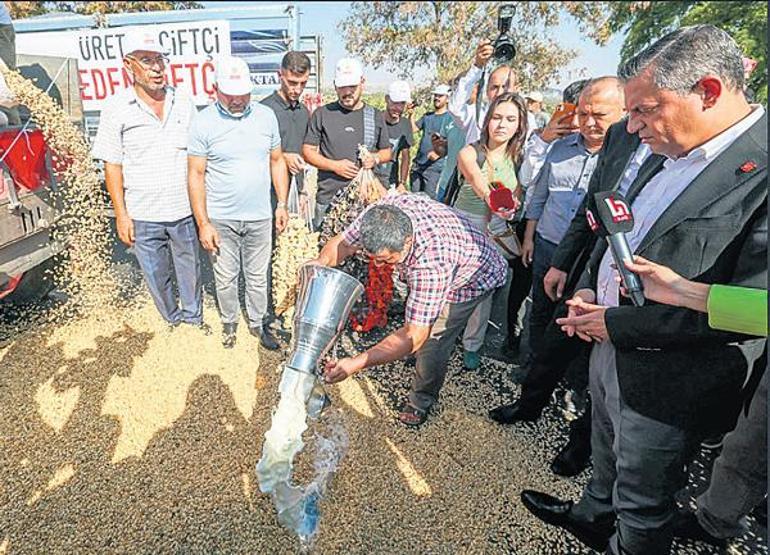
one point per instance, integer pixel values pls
(297, 506)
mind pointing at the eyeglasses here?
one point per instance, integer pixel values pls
(148, 62)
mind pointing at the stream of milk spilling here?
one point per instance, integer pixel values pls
(297, 506)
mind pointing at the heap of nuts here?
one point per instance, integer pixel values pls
(293, 247)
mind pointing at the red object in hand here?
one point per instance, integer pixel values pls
(378, 294)
(500, 198)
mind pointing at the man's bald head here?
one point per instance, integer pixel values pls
(501, 80)
(601, 104)
(608, 87)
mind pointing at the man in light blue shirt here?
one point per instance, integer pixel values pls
(558, 190)
(234, 149)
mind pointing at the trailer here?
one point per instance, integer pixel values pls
(28, 205)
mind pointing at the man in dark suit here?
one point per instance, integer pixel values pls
(660, 378)
(620, 159)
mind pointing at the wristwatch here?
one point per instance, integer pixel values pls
(280, 205)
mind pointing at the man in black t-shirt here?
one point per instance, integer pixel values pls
(336, 130)
(291, 113)
(400, 135)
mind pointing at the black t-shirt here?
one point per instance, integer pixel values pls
(292, 121)
(400, 137)
(292, 125)
(338, 132)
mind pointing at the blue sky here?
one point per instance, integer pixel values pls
(322, 18)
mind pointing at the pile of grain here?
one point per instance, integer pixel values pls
(118, 436)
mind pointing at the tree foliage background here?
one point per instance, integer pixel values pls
(645, 22)
(28, 9)
(402, 35)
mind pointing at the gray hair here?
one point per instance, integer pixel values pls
(683, 57)
(385, 227)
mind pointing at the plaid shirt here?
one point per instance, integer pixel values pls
(450, 259)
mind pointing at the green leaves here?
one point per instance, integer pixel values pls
(442, 36)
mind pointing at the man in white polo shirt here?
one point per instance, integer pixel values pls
(234, 150)
(142, 139)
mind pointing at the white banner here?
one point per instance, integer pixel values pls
(192, 46)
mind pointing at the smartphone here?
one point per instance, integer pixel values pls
(563, 111)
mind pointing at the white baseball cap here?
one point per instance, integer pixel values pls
(233, 76)
(348, 73)
(536, 96)
(399, 91)
(442, 89)
(136, 41)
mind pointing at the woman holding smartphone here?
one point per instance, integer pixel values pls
(499, 148)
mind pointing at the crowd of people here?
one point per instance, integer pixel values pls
(501, 196)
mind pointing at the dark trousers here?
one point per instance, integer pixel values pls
(639, 465)
(739, 476)
(166, 248)
(542, 306)
(558, 356)
(425, 180)
(521, 282)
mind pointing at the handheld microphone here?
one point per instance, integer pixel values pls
(613, 219)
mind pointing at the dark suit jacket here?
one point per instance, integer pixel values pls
(671, 366)
(575, 248)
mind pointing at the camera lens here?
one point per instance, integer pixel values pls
(505, 50)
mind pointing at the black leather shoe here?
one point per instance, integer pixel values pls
(510, 348)
(554, 511)
(571, 460)
(510, 414)
(266, 338)
(686, 526)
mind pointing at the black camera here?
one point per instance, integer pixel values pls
(505, 49)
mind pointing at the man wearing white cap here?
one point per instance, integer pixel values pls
(234, 151)
(431, 156)
(142, 139)
(335, 132)
(400, 135)
(537, 118)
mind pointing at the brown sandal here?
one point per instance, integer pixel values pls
(412, 416)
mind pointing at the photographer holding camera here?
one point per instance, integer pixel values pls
(501, 80)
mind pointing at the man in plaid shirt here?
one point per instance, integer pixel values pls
(449, 267)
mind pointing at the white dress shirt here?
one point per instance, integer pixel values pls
(464, 113)
(662, 190)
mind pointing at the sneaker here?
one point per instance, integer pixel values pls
(171, 326)
(228, 335)
(471, 360)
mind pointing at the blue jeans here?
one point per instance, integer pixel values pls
(248, 243)
(156, 245)
(542, 306)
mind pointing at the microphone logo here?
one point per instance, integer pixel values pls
(592, 223)
(618, 210)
